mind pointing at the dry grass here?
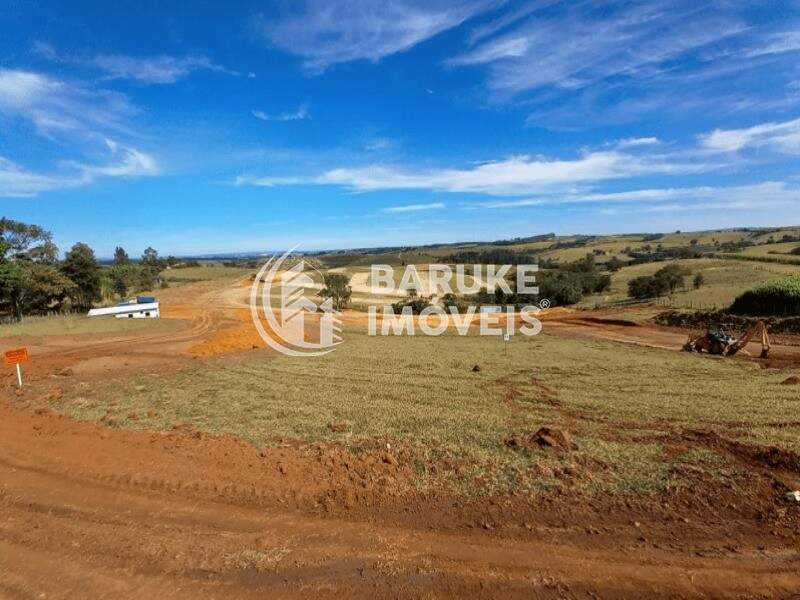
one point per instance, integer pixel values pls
(422, 390)
(724, 281)
(205, 273)
(80, 324)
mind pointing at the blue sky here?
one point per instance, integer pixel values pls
(338, 124)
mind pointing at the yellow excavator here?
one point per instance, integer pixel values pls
(719, 341)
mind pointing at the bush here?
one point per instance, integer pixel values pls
(780, 297)
(417, 305)
(646, 286)
(666, 280)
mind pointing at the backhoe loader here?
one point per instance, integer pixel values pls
(718, 341)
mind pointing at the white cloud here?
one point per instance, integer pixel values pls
(58, 107)
(415, 207)
(580, 44)
(149, 69)
(777, 43)
(378, 144)
(510, 176)
(155, 69)
(633, 142)
(300, 114)
(17, 181)
(781, 137)
(326, 32)
(75, 118)
(753, 196)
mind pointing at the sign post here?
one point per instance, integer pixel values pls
(16, 358)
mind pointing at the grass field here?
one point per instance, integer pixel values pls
(613, 398)
(724, 281)
(81, 324)
(204, 273)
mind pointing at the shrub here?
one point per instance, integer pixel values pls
(666, 280)
(780, 297)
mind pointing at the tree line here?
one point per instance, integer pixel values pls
(34, 281)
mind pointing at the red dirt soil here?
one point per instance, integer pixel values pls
(90, 512)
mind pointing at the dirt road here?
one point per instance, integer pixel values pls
(607, 327)
(89, 512)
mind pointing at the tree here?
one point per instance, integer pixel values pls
(21, 245)
(10, 287)
(337, 289)
(120, 257)
(20, 240)
(646, 286)
(81, 267)
(150, 258)
(614, 264)
(603, 284)
(119, 275)
(672, 276)
(151, 266)
(699, 280)
(44, 289)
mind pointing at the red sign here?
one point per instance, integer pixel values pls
(15, 357)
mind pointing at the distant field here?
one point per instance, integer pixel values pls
(204, 273)
(612, 245)
(724, 281)
(780, 249)
(776, 235)
(80, 324)
(421, 390)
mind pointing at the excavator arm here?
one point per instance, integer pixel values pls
(744, 339)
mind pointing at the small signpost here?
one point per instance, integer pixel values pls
(17, 357)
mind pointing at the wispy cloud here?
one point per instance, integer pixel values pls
(159, 69)
(511, 176)
(326, 32)
(776, 43)
(78, 120)
(781, 137)
(583, 62)
(57, 106)
(583, 43)
(17, 181)
(633, 142)
(156, 69)
(378, 144)
(300, 114)
(764, 194)
(415, 207)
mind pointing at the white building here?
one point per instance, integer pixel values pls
(147, 310)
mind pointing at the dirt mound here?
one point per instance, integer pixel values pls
(611, 321)
(545, 437)
(792, 380)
